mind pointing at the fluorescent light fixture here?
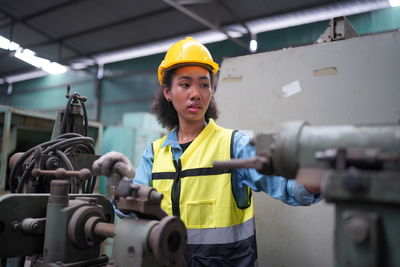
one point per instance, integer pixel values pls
(253, 45)
(82, 63)
(29, 57)
(394, 3)
(7, 44)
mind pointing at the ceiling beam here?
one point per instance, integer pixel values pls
(237, 18)
(205, 22)
(102, 27)
(41, 13)
(34, 28)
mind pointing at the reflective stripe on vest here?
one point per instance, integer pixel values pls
(201, 195)
(222, 235)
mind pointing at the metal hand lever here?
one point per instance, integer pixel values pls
(82, 174)
(259, 163)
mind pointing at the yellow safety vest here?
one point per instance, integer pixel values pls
(200, 194)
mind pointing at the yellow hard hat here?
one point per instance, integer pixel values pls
(187, 51)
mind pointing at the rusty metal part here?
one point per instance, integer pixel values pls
(88, 200)
(14, 158)
(33, 225)
(60, 173)
(145, 201)
(167, 241)
(53, 163)
(59, 192)
(81, 226)
(92, 238)
(105, 229)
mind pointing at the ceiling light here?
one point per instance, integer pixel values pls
(29, 57)
(253, 46)
(54, 68)
(394, 3)
(7, 44)
(253, 43)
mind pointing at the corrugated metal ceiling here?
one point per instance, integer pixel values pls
(65, 30)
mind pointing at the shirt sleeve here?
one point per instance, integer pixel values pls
(143, 172)
(286, 190)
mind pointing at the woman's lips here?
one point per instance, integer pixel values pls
(194, 108)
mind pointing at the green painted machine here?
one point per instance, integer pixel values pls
(357, 169)
(62, 229)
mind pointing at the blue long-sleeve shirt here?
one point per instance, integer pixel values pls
(287, 190)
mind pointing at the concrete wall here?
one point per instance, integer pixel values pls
(355, 81)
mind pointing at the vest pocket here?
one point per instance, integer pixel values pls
(200, 214)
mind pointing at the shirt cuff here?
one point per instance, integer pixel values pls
(121, 214)
(304, 197)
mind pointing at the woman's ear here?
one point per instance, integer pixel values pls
(167, 93)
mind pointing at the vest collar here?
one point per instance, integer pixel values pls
(172, 137)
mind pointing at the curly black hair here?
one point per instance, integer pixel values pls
(165, 111)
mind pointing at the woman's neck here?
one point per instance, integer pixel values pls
(189, 130)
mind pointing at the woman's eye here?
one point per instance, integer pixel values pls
(184, 85)
(205, 85)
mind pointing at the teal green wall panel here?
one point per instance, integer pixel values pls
(136, 65)
(50, 81)
(132, 86)
(50, 98)
(3, 94)
(382, 20)
(112, 114)
(291, 37)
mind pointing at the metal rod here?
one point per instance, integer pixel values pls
(105, 229)
(256, 162)
(82, 174)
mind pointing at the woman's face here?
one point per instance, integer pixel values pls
(190, 92)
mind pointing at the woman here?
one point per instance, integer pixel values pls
(216, 206)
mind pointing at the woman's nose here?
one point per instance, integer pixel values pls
(195, 93)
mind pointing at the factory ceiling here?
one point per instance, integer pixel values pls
(73, 31)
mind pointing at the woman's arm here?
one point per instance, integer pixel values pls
(143, 172)
(287, 190)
